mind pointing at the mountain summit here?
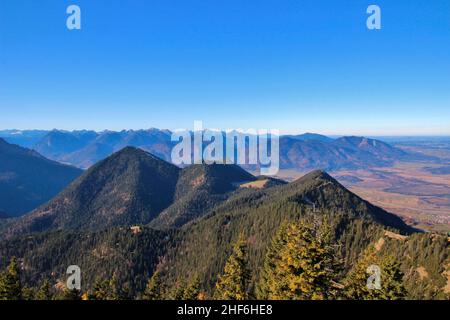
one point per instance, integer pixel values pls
(130, 187)
(199, 188)
(133, 186)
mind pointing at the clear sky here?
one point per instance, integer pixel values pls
(291, 65)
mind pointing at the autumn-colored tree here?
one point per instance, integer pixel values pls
(102, 290)
(10, 285)
(28, 293)
(71, 294)
(153, 290)
(123, 292)
(300, 263)
(193, 289)
(44, 291)
(390, 281)
(202, 296)
(233, 284)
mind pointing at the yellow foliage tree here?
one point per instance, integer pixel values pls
(233, 284)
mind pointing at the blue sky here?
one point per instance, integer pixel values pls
(291, 65)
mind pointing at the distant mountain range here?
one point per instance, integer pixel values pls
(304, 152)
(24, 138)
(27, 179)
(85, 148)
(341, 153)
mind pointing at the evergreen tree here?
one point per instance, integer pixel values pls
(193, 290)
(233, 284)
(123, 292)
(71, 294)
(109, 289)
(300, 263)
(10, 285)
(28, 293)
(101, 290)
(391, 278)
(44, 291)
(153, 290)
(177, 292)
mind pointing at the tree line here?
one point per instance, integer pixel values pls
(302, 263)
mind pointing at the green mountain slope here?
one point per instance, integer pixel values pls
(134, 187)
(199, 188)
(129, 187)
(128, 255)
(259, 213)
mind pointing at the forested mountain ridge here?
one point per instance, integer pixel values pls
(201, 247)
(129, 187)
(133, 186)
(199, 188)
(259, 213)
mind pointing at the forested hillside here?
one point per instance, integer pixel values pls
(240, 233)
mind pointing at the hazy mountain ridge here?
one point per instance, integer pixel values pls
(303, 152)
(89, 147)
(27, 179)
(23, 138)
(346, 152)
(3, 215)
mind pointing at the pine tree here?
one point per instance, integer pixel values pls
(109, 290)
(233, 284)
(10, 285)
(28, 293)
(153, 290)
(44, 291)
(177, 292)
(101, 290)
(71, 294)
(268, 276)
(391, 278)
(123, 292)
(193, 290)
(300, 263)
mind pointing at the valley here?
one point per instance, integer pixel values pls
(417, 191)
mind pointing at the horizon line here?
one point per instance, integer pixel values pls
(285, 133)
